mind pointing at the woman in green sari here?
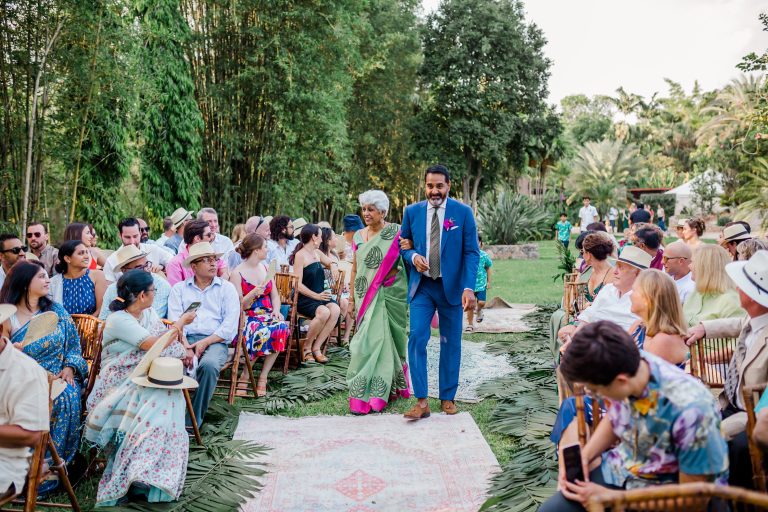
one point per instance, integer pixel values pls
(378, 371)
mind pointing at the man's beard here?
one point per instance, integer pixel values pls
(436, 201)
(286, 236)
(144, 239)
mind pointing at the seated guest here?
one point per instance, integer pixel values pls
(328, 248)
(140, 426)
(221, 243)
(315, 300)
(252, 225)
(23, 411)
(39, 245)
(179, 218)
(691, 232)
(662, 329)
(663, 425)
(747, 248)
(59, 353)
(195, 231)
(649, 240)
(596, 249)
(614, 302)
(238, 233)
(731, 236)
(677, 263)
(215, 325)
(265, 330)
(129, 257)
(144, 231)
(168, 232)
(130, 235)
(352, 223)
(11, 251)
(281, 244)
(82, 232)
(581, 265)
(715, 295)
(600, 227)
(749, 364)
(760, 433)
(130, 330)
(75, 286)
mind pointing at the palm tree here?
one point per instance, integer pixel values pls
(754, 195)
(733, 109)
(602, 170)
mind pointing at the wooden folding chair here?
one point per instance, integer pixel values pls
(288, 287)
(579, 392)
(227, 385)
(569, 294)
(694, 497)
(90, 330)
(703, 351)
(337, 287)
(751, 396)
(38, 472)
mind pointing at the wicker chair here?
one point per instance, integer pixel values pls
(692, 497)
(751, 396)
(288, 288)
(711, 374)
(90, 330)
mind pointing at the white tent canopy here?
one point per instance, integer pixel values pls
(684, 193)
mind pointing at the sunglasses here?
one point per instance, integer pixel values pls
(16, 250)
(144, 230)
(34, 235)
(664, 258)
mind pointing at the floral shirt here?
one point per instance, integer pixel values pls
(673, 427)
(563, 230)
(481, 282)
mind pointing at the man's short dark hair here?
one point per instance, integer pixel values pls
(597, 226)
(598, 353)
(585, 197)
(640, 205)
(649, 236)
(194, 228)
(36, 223)
(167, 224)
(7, 236)
(126, 223)
(438, 169)
(563, 214)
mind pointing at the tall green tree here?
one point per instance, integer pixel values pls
(172, 142)
(484, 81)
(587, 119)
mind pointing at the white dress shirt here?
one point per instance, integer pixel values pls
(609, 305)
(275, 252)
(431, 210)
(222, 244)
(685, 286)
(155, 255)
(219, 311)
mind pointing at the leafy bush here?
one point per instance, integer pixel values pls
(506, 217)
(723, 220)
(667, 201)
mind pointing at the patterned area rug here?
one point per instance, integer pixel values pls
(370, 463)
(502, 316)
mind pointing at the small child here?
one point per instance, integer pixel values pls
(563, 229)
(482, 284)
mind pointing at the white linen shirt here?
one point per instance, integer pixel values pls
(685, 286)
(587, 215)
(23, 402)
(222, 244)
(609, 305)
(219, 311)
(275, 252)
(155, 255)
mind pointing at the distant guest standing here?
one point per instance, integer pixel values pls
(563, 229)
(587, 213)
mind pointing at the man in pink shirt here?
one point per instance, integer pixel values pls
(194, 232)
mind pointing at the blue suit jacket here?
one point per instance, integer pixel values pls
(459, 252)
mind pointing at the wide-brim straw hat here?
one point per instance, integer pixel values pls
(165, 373)
(126, 254)
(179, 216)
(6, 312)
(267, 219)
(40, 326)
(299, 223)
(751, 276)
(153, 353)
(681, 222)
(636, 257)
(735, 233)
(323, 224)
(200, 250)
(30, 256)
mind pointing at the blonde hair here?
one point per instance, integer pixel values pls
(709, 261)
(747, 248)
(238, 233)
(665, 311)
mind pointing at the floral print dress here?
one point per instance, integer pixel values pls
(263, 334)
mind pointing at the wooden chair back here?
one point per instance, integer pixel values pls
(288, 287)
(569, 294)
(89, 329)
(693, 497)
(751, 396)
(579, 392)
(580, 300)
(703, 353)
(346, 268)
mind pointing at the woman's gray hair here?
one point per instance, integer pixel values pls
(375, 197)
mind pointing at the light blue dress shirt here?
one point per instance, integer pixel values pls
(219, 311)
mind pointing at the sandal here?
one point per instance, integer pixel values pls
(243, 388)
(469, 328)
(261, 390)
(319, 357)
(307, 357)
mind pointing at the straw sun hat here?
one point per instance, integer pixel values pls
(179, 216)
(636, 257)
(735, 233)
(200, 250)
(154, 371)
(126, 254)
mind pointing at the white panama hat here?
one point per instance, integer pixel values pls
(636, 257)
(751, 276)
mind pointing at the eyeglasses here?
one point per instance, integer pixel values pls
(153, 289)
(144, 266)
(207, 259)
(34, 235)
(665, 258)
(16, 250)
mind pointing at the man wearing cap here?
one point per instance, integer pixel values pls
(749, 364)
(352, 224)
(733, 234)
(614, 301)
(130, 234)
(221, 243)
(179, 219)
(23, 411)
(11, 251)
(677, 263)
(130, 257)
(216, 322)
(195, 231)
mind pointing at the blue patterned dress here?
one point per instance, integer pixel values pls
(54, 352)
(79, 295)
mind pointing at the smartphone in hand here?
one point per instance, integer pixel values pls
(574, 470)
(192, 307)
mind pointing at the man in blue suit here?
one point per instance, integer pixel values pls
(439, 243)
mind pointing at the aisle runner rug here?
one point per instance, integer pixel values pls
(477, 367)
(370, 463)
(502, 316)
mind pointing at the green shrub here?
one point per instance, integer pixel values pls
(722, 221)
(506, 217)
(667, 201)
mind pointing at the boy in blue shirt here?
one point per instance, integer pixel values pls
(482, 283)
(563, 229)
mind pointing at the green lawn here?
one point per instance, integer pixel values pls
(528, 281)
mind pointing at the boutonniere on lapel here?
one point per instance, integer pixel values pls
(449, 224)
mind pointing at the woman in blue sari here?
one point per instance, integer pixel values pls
(26, 287)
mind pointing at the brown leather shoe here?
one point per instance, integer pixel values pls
(417, 412)
(448, 406)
